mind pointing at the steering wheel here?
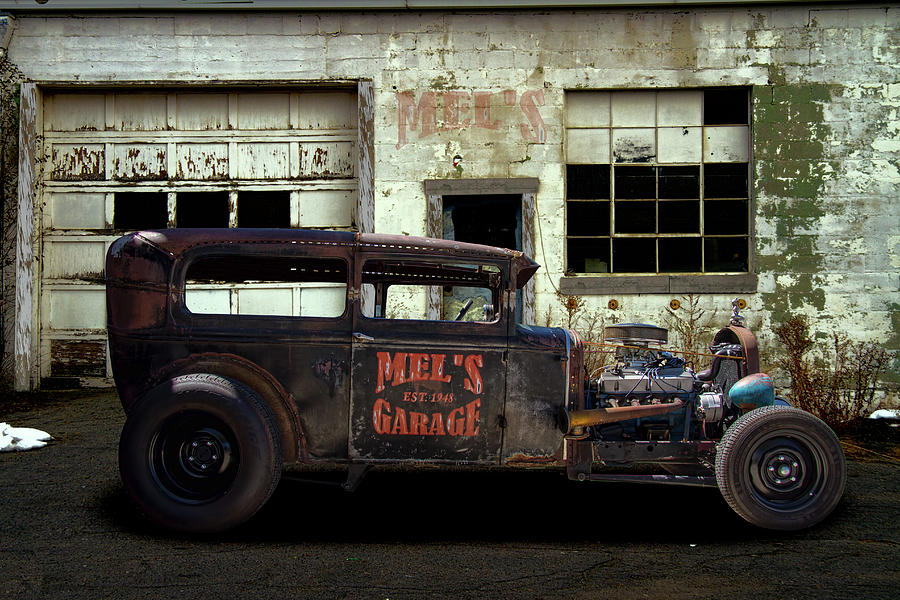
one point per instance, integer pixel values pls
(462, 311)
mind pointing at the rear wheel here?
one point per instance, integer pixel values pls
(781, 468)
(200, 453)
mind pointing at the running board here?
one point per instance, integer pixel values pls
(355, 474)
(688, 480)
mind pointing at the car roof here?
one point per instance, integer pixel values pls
(178, 241)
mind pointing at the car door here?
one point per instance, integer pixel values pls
(428, 389)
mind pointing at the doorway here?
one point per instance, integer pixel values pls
(493, 220)
(496, 212)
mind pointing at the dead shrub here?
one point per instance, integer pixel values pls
(589, 325)
(837, 385)
(692, 327)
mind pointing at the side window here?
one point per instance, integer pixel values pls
(468, 291)
(267, 285)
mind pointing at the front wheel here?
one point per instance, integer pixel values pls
(200, 453)
(781, 468)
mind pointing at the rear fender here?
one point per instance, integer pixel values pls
(282, 405)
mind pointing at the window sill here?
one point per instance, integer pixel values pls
(744, 283)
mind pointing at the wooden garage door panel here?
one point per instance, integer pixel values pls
(74, 162)
(263, 161)
(141, 112)
(77, 309)
(327, 208)
(201, 112)
(202, 162)
(263, 111)
(77, 210)
(326, 159)
(74, 260)
(75, 112)
(77, 358)
(327, 110)
(134, 162)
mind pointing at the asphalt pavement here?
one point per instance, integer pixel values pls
(69, 530)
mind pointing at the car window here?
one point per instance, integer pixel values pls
(267, 285)
(468, 292)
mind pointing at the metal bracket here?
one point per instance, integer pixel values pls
(355, 474)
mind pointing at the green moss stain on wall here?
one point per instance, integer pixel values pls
(792, 168)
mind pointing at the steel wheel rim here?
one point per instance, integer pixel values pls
(787, 471)
(194, 457)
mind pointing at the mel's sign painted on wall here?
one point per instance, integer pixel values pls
(464, 110)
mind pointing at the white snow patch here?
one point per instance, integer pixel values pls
(22, 438)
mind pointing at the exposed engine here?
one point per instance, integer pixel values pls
(651, 394)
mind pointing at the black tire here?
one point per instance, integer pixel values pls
(200, 453)
(781, 468)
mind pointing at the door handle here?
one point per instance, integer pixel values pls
(361, 337)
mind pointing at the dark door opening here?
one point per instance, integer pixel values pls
(491, 219)
(495, 219)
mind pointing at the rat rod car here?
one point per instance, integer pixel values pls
(235, 350)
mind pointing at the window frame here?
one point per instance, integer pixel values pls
(662, 282)
(402, 326)
(251, 324)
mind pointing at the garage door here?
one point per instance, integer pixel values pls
(119, 161)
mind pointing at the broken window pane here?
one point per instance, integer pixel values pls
(133, 211)
(587, 218)
(264, 209)
(586, 182)
(201, 209)
(636, 217)
(725, 217)
(588, 255)
(726, 106)
(634, 255)
(680, 255)
(725, 180)
(635, 182)
(726, 254)
(679, 182)
(681, 216)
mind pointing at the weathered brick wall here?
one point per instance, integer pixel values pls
(825, 123)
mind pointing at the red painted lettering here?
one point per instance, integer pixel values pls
(418, 423)
(418, 367)
(437, 424)
(483, 111)
(529, 103)
(473, 383)
(455, 422)
(388, 369)
(399, 427)
(437, 368)
(411, 114)
(473, 416)
(454, 104)
(381, 416)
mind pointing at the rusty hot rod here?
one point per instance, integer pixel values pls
(237, 350)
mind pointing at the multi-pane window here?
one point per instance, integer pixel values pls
(658, 181)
